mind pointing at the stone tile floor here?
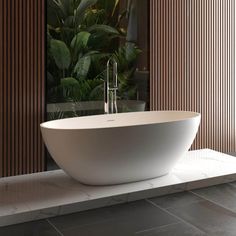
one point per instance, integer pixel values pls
(206, 211)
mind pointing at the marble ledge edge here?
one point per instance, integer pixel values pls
(39, 214)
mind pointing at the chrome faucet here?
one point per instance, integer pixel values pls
(110, 88)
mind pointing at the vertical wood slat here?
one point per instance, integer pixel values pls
(1, 88)
(21, 86)
(192, 65)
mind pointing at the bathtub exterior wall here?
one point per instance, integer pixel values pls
(119, 154)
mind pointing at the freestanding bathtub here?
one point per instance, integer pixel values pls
(120, 148)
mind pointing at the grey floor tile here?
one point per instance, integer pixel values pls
(178, 229)
(35, 228)
(176, 200)
(224, 195)
(208, 217)
(125, 219)
(107, 228)
(233, 183)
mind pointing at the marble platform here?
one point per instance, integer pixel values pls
(42, 195)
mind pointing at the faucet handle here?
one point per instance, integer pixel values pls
(110, 88)
(114, 84)
(115, 75)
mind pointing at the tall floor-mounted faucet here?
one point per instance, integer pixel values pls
(110, 88)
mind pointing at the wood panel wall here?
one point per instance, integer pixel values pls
(193, 66)
(21, 86)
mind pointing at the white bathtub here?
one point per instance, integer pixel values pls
(120, 148)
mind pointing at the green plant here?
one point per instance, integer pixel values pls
(81, 36)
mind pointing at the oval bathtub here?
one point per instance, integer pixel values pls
(120, 148)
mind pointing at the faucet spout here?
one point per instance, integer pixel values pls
(110, 88)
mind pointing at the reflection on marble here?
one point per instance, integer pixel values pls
(42, 195)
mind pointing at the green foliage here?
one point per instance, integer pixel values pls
(60, 53)
(108, 6)
(69, 82)
(81, 36)
(81, 9)
(103, 29)
(80, 42)
(82, 67)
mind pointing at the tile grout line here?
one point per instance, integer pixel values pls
(157, 227)
(58, 231)
(206, 199)
(179, 218)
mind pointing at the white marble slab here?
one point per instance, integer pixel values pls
(42, 195)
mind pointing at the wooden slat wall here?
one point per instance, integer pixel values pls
(193, 66)
(21, 86)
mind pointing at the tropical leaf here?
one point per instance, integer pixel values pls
(70, 89)
(121, 17)
(92, 53)
(109, 5)
(116, 2)
(60, 53)
(85, 87)
(82, 35)
(94, 16)
(52, 18)
(69, 21)
(55, 13)
(82, 67)
(80, 41)
(69, 81)
(67, 6)
(131, 52)
(103, 28)
(79, 12)
(98, 65)
(97, 90)
(126, 56)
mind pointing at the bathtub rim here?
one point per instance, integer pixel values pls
(45, 125)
